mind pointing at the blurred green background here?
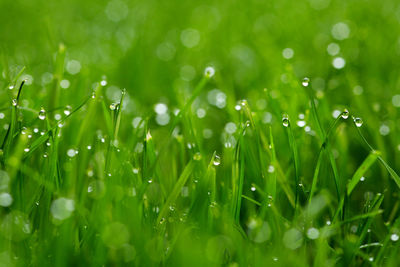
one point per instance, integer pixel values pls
(144, 46)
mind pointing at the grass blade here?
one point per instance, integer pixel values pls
(367, 163)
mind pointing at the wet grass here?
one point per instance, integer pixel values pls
(87, 183)
(201, 138)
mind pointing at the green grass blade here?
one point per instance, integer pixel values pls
(176, 190)
(367, 163)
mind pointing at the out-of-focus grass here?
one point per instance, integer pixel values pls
(121, 146)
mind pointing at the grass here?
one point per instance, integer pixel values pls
(135, 133)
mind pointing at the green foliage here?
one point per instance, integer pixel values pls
(168, 133)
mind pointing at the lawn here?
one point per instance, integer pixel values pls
(188, 133)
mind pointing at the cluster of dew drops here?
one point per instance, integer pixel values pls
(345, 114)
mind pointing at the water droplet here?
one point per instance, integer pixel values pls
(67, 110)
(394, 237)
(301, 123)
(71, 152)
(371, 259)
(11, 87)
(312, 233)
(26, 149)
(197, 156)
(338, 63)
(113, 106)
(209, 72)
(362, 179)
(65, 84)
(14, 102)
(93, 94)
(62, 208)
(161, 108)
(345, 114)
(358, 122)
(243, 103)
(384, 129)
(217, 160)
(42, 114)
(5, 199)
(305, 82)
(103, 82)
(285, 120)
(238, 107)
(253, 188)
(271, 168)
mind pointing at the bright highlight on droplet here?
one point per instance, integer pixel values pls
(160, 108)
(358, 122)
(209, 72)
(394, 237)
(345, 114)
(217, 160)
(67, 110)
(42, 114)
(338, 63)
(305, 82)
(71, 152)
(285, 120)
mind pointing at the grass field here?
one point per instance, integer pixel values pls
(187, 133)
